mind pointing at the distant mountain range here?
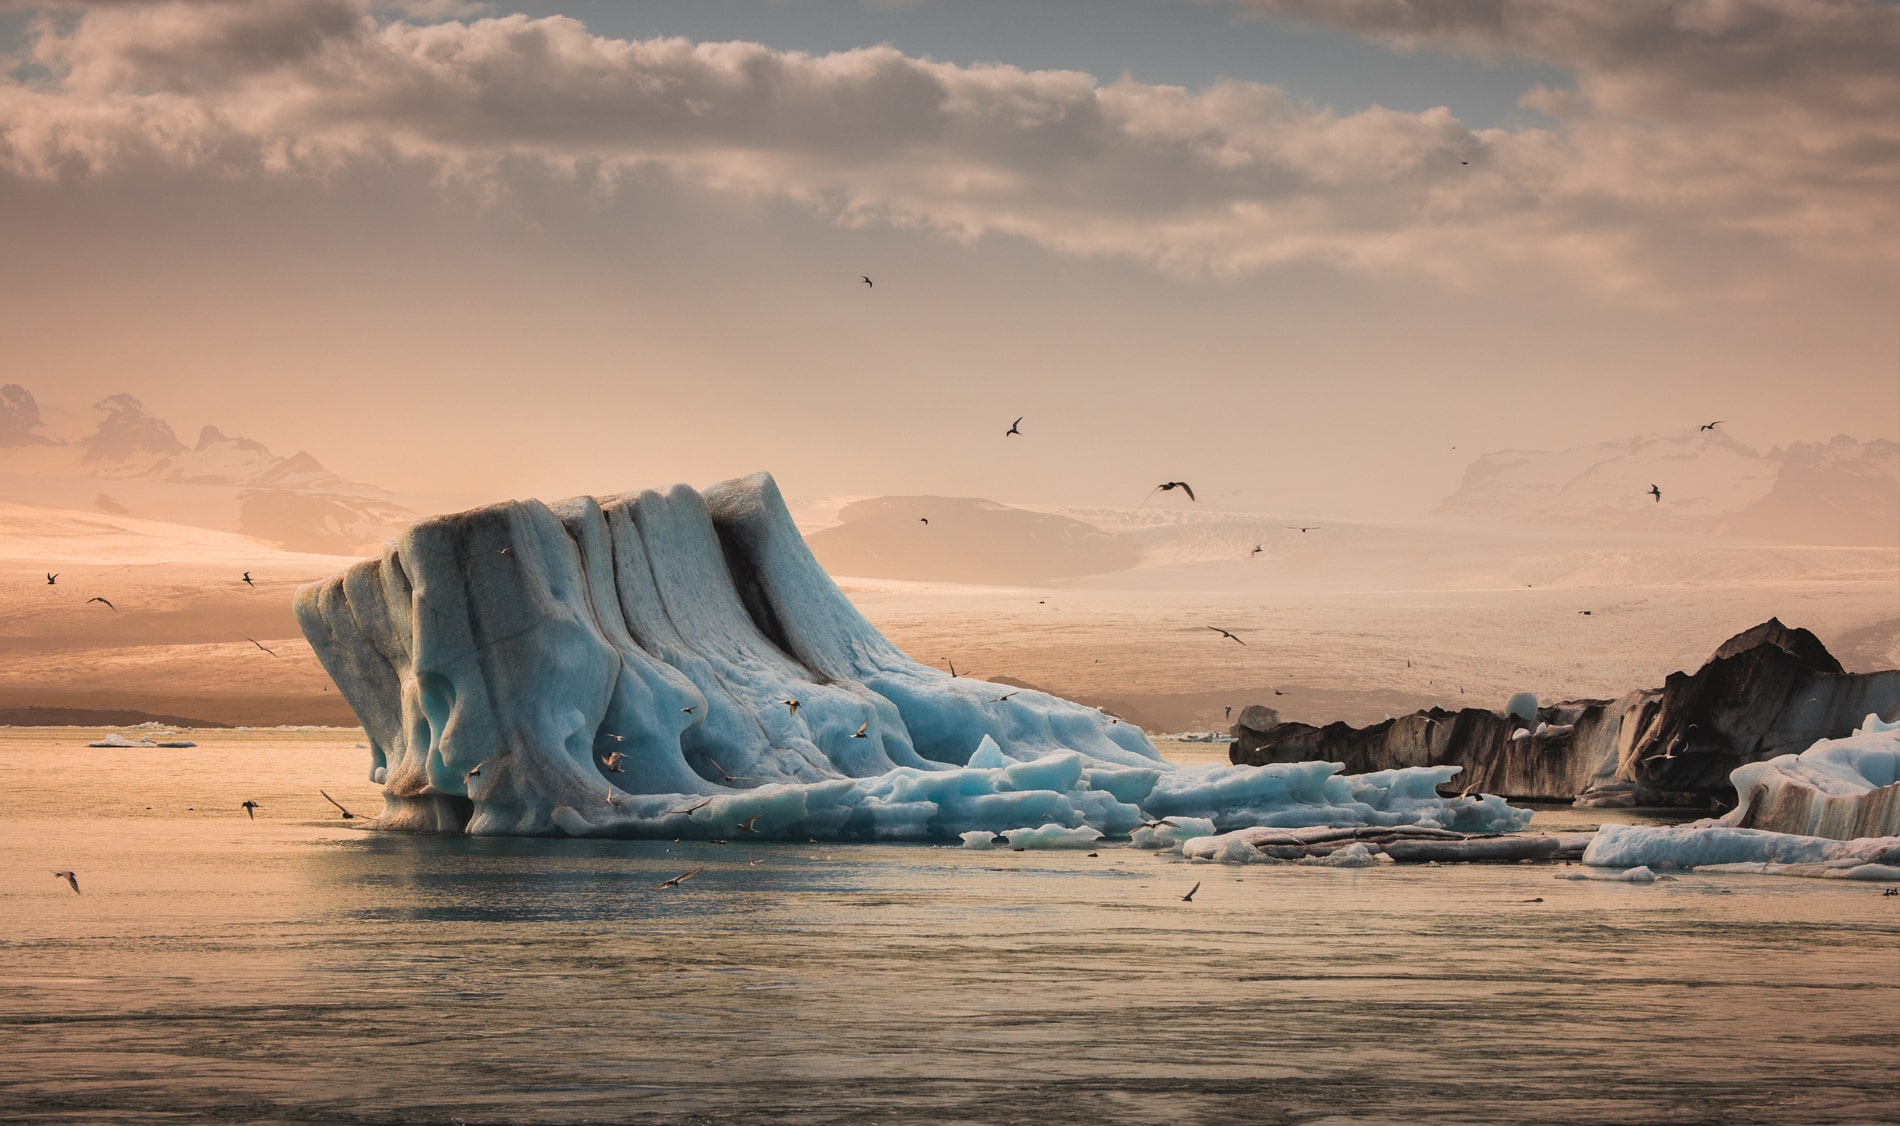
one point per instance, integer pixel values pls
(133, 464)
(1843, 492)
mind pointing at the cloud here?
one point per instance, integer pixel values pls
(1709, 136)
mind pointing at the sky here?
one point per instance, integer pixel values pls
(1291, 251)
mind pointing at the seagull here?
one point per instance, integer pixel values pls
(676, 880)
(261, 645)
(1170, 486)
(1157, 825)
(953, 668)
(612, 762)
(1227, 635)
(109, 605)
(867, 282)
(1006, 696)
(248, 582)
(1655, 492)
(1012, 426)
(347, 815)
(52, 578)
(1189, 897)
(1230, 712)
(688, 811)
(72, 879)
(611, 735)
(689, 711)
(792, 704)
(747, 826)
(728, 777)
(1257, 549)
(251, 808)
(924, 520)
(1713, 425)
(860, 733)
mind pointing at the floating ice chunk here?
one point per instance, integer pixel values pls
(1053, 836)
(1704, 845)
(1171, 832)
(1355, 855)
(979, 838)
(1840, 788)
(988, 755)
(117, 740)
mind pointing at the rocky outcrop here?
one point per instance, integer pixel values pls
(1767, 691)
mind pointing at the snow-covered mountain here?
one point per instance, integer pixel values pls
(133, 463)
(1839, 492)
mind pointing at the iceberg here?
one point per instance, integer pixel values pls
(677, 664)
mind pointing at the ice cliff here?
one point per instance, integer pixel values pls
(678, 664)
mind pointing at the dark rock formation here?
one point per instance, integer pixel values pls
(1767, 691)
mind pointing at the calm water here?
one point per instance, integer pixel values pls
(293, 969)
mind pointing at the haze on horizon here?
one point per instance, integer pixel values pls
(527, 249)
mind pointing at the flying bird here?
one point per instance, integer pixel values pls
(1655, 492)
(924, 520)
(109, 605)
(612, 763)
(728, 777)
(1157, 825)
(347, 815)
(1713, 425)
(1227, 635)
(689, 810)
(953, 668)
(1257, 549)
(250, 807)
(476, 770)
(1302, 530)
(750, 823)
(1585, 613)
(1005, 696)
(1189, 897)
(867, 282)
(689, 711)
(52, 578)
(261, 645)
(676, 880)
(72, 880)
(1012, 426)
(792, 704)
(1170, 486)
(248, 582)
(863, 729)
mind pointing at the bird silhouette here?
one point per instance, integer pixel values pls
(1655, 492)
(953, 668)
(749, 825)
(1189, 897)
(1012, 426)
(724, 775)
(72, 880)
(1713, 425)
(248, 582)
(677, 880)
(867, 282)
(261, 645)
(1302, 530)
(1230, 712)
(347, 815)
(1006, 696)
(1257, 549)
(792, 704)
(1168, 487)
(52, 578)
(1227, 635)
(863, 730)
(1585, 613)
(689, 710)
(688, 811)
(251, 808)
(109, 605)
(924, 520)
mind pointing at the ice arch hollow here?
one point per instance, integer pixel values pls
(501, 658)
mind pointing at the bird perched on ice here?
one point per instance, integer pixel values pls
(250, 807)
(109, 605)
(1655, 492)
(1013, 426)
(72, 880)
(52, 578)
(1227, 635)
(248, 582)
(676, 880)
(347, 815)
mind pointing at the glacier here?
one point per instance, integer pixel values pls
(677, 664)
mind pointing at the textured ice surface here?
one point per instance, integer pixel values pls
(677, 664)
(1841, 788)
(1712, 847)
